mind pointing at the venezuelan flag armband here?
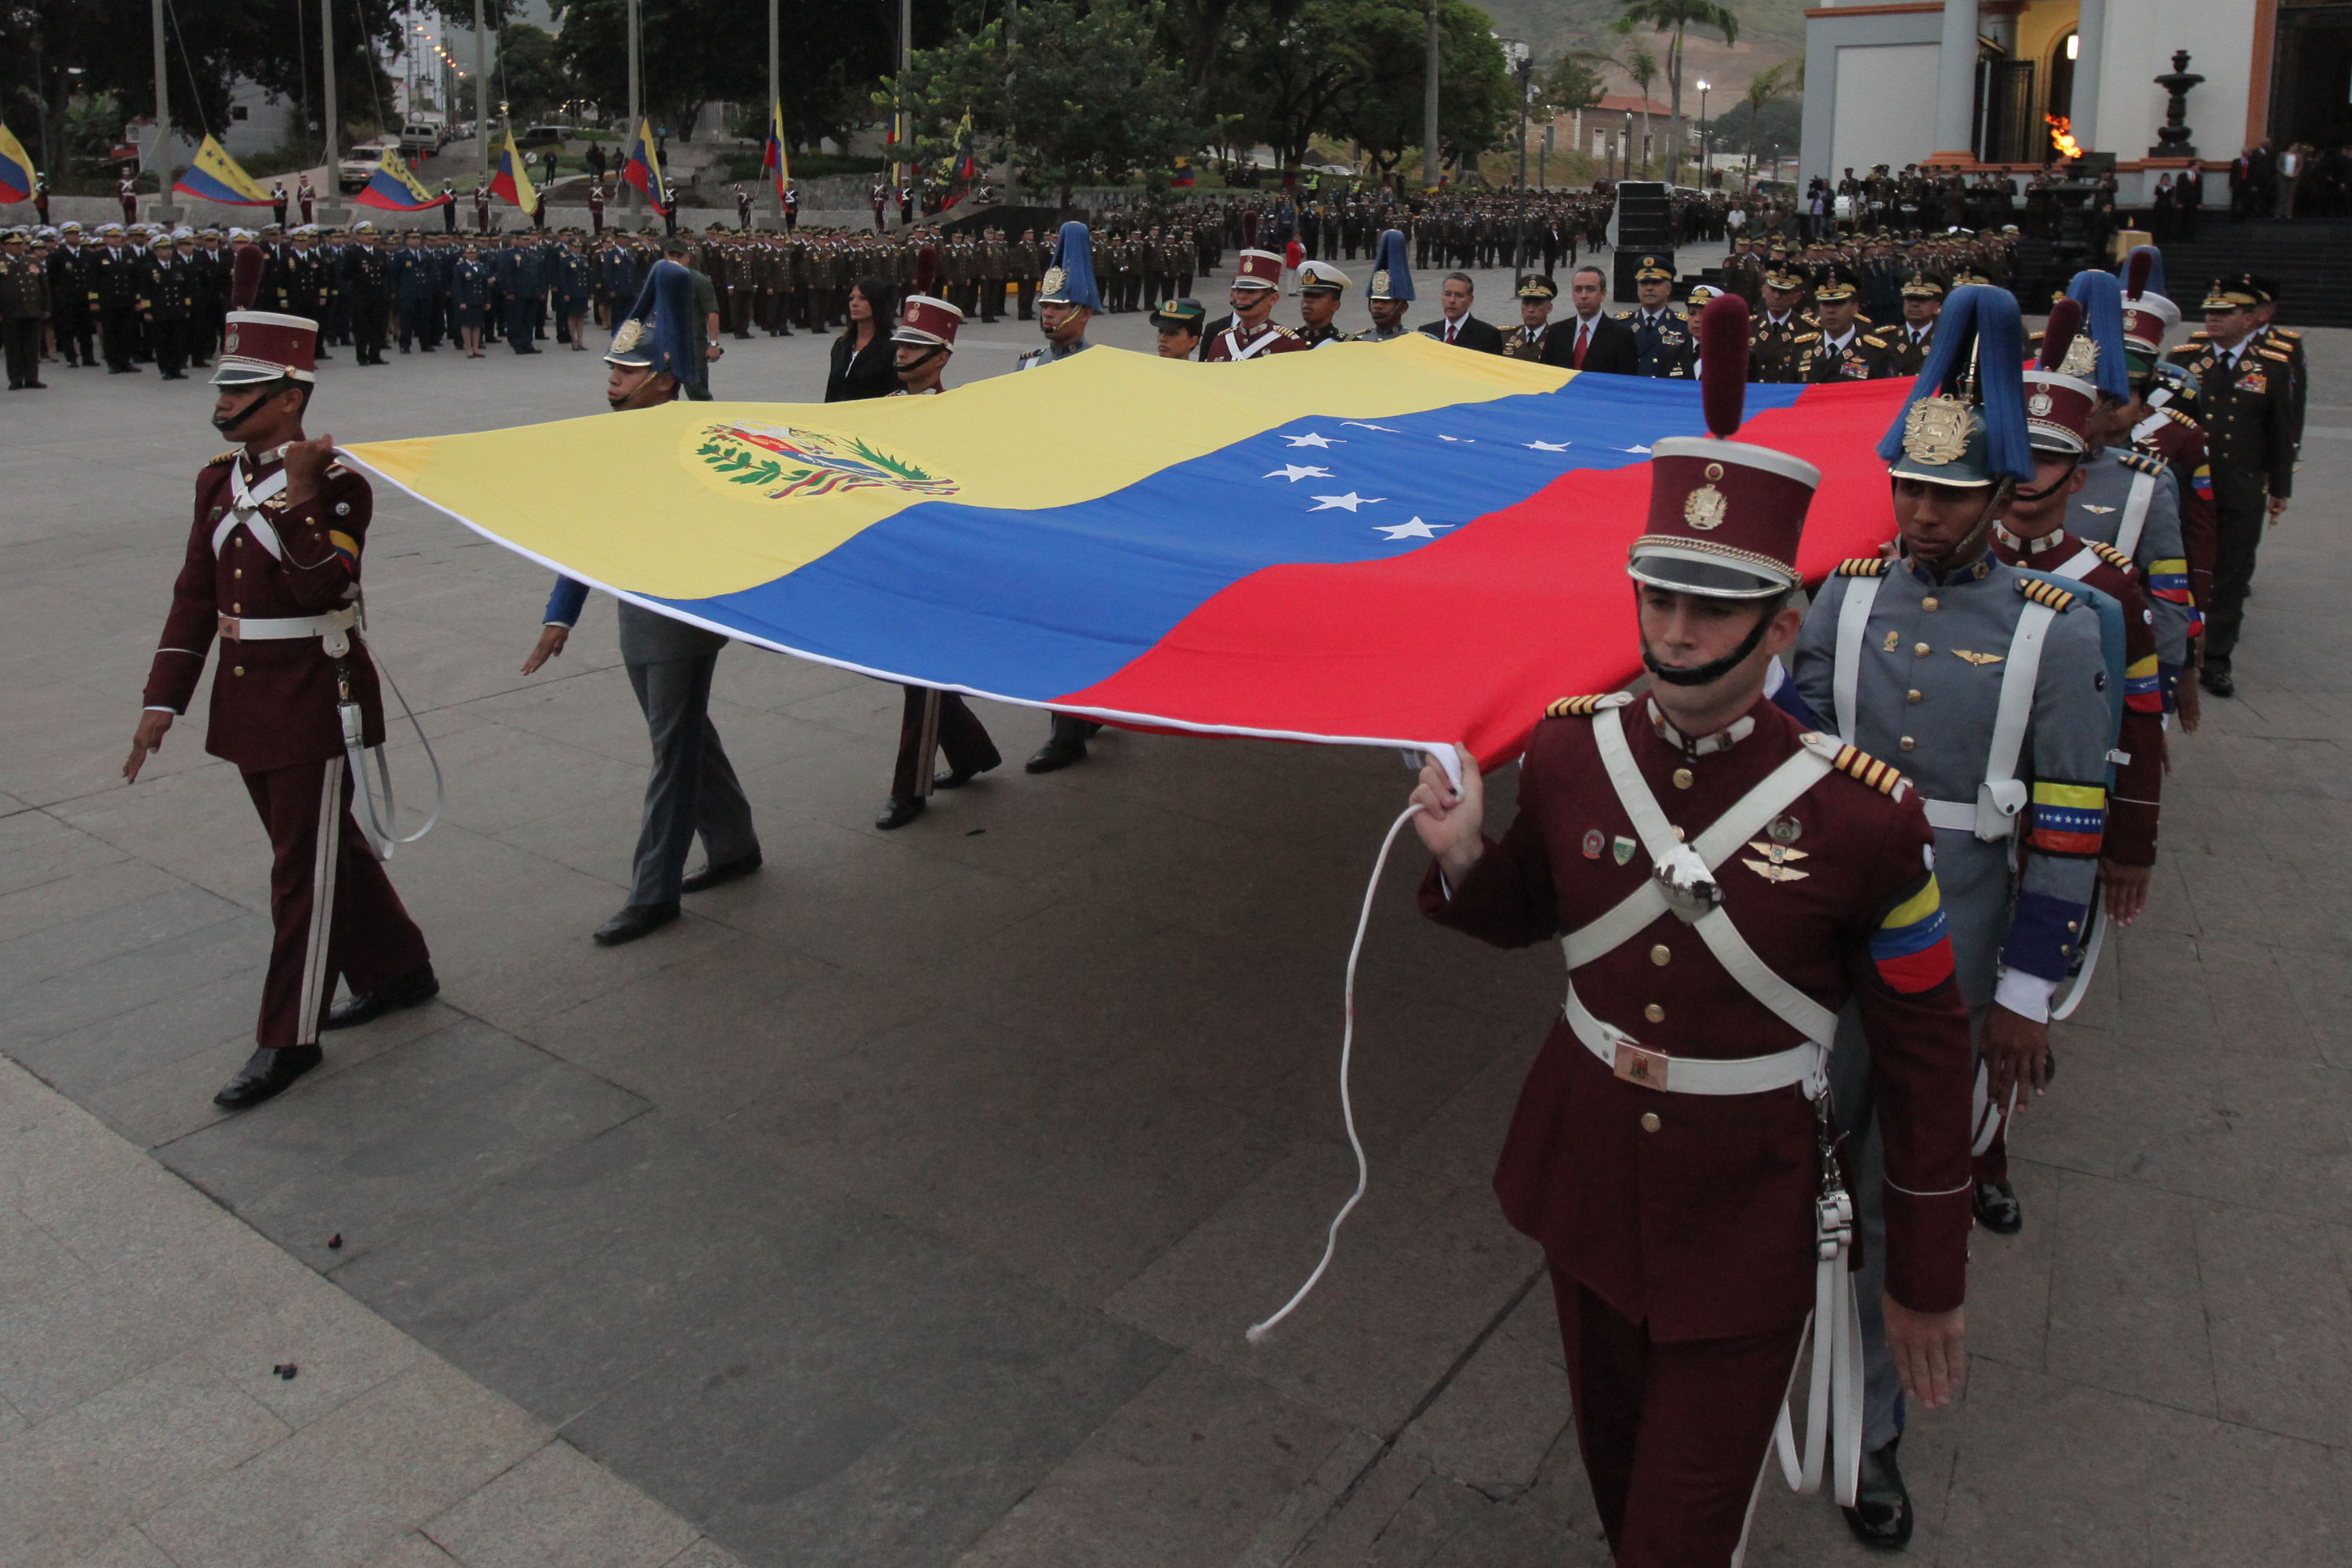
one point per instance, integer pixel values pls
(1912, 945)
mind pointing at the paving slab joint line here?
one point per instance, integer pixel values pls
(1435, 1389)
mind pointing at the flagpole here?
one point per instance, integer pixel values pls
(636, 110)
(482, 100)
(164, 211)
(328, 213)
(776, 98)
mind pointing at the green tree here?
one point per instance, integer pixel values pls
(1783, 80)
(530, 75)
(1642, 67)
(1087, 96)
(1674, 18)
(1381, 112)
(1573, 80)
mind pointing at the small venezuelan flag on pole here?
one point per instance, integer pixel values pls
(774, 156)
(17, 180)
(511, 183)
(644, 168)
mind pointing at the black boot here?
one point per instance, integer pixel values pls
(266, 1074)
(410, 990)
(1880, 1514)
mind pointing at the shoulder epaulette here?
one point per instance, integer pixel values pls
(1585, 706)
(2197, 336)
(1807, 338)
(1875, 342)
(1621, 315)
(1865, 567)
(2289, 333)
(1285, 331)
(1033, 353)
(2038, 591)
(2144, 462)
(228, 457)
(2281, 355)
(2182, 417)
(1856, 763)
(2112, 556)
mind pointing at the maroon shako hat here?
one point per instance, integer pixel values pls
(1725, 516)
(263, 345)
(2058, 407)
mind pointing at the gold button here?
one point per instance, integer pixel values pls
(2073, 926)
(1680, 834)
(236, 609)
(238, 572)
(1650, 1123)
(1683, 778)
(1658, 954)
(1913, 695)
(1928, 603)
(1909, 743)
(1655, 1014)
(239, 670)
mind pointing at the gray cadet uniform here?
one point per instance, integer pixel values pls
(1930, 659)
(2131, 500)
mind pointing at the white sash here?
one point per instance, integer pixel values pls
(244, 507)
(1234, 350)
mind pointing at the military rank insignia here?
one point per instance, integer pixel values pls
(1775, 867)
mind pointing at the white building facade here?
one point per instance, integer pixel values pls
(1979, 82)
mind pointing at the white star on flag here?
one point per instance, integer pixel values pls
(1465, 440)
(1295, 472)
(1416, 529)
(1644, 450)
(1348, 502)
(1547, 445)
(1361, 426)
(1313, 438)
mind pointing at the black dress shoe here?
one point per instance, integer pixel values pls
(724, 872)
(956, 778)
(266, 1074)
(900, 812)
(2216, 679)
(1057, 754)
(1880, 1514)
(1998, 1209)
(410, 990)
(633, 921)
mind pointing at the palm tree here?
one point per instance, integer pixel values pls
(1642, 67)
(1762, 89)
(1676, 18)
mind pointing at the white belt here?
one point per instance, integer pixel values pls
(1635, 1063)
(1991, 816)
(334, 628)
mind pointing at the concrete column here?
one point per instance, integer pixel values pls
(1955, 80)
(2090, 49)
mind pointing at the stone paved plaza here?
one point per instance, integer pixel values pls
(905, 1205)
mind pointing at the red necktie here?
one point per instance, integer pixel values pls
(1451, 327)
(1583, 336)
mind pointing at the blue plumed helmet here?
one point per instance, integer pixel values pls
(1964, 423)
(1392, 273)
(1070, 280)
(658, 331)
(2097, 355)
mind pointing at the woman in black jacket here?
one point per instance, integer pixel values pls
(863, 357)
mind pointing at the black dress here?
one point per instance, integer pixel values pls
(868, 373)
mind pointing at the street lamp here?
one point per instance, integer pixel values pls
(1522, 59)
(1702, 85)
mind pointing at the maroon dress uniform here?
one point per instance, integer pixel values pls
(2171, 433)
(1678, 1212)
(274, 705)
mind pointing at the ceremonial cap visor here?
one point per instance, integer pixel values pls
(1922, 287)
(1322, 277)
(1257, 269)
(1725, 516)
(1187, 312)
(925, 320)
(1653, 269)
(2239, 293)
(262, 345)
(1536, 286)
(1837, 283)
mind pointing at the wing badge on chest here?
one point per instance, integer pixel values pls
(1775, 867)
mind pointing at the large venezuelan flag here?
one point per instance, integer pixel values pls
(511, 181)
(215, 176)
(1399, 544)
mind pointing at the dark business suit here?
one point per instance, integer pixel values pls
(1612, 349)
(1472, 333)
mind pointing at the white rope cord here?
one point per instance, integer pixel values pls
(1258, 1332)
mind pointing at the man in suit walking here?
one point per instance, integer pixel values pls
(1595, 339)
(1458, 326)
(693, 788)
